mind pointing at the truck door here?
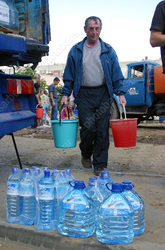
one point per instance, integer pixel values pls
(135, 85)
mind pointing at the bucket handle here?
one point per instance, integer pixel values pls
(125, 117)
(61, 111)
(38, 105)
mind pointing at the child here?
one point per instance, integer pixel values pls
(67, 112)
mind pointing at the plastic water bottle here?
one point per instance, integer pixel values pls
(19, 171)
(12, 199)
(35, 172)
(115, 218)
(55, 174)
(63, 186)
(69, 175)
(46, 202)
(91, 188)
(103, 179)
(27, 199)
(138, 207)
(77, 213)
(36, 175)
(94, 193)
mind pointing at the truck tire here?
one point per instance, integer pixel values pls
(114, 111)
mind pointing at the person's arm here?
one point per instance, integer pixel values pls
(68, 77)
(157, 39)
(51, 97)
(64, 100)
(157, 36)
(38, 99)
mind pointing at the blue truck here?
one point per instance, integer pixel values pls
(24, 39)
(145, 91)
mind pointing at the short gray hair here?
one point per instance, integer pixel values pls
(94, 18)
(37, 76)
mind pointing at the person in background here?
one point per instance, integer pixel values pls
(93, 73)
(36, 80)
(54, 98)
(157, 35)
(67, 112)
(45, 103)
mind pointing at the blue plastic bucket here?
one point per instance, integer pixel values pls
(65, 133)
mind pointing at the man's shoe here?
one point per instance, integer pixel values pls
(86, 162)
(97, 170)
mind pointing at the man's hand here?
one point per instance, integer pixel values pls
(64, 100)
(122, 100)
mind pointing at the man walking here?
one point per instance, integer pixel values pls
(94, 74)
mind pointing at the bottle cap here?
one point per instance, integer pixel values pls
(45, 168)
(127, 185)
(92, 180)
(79, 184)
(104, 174)
(14, 170)
(62, 173)
(116, 187)
(68, 171)
(47, 173)
(26, 170)
(36, 171)
(34, 167)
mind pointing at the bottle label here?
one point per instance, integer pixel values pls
(13, 188)
(46, 193)
(133, 200)
(75, 201)
(115, 205)
(26, 190)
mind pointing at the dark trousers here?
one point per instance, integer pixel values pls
(94, 118)
(54, 111)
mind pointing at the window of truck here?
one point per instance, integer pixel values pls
(137, 71)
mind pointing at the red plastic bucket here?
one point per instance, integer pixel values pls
(124, 132)
(39, 112)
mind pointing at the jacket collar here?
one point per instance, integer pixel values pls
(104, 46)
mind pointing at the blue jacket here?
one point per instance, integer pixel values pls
(73, 71)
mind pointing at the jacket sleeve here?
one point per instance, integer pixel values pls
(117, 77)
(69, 75)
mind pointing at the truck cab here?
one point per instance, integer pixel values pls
(142, 101)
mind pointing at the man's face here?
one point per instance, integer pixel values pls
(56, 82)
(37, 79)
(93, 30)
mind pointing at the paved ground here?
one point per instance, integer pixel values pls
(137, 164)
